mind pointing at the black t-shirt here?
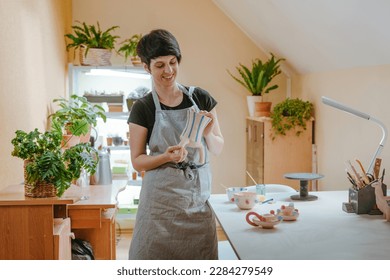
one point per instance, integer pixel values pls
(143, 110)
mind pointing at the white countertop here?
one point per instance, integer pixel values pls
(323, 230)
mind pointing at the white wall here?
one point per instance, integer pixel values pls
(341, 136)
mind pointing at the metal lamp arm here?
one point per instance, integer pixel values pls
(333, 103)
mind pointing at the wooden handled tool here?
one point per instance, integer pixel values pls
(358, 180)
(377, 167)
(364, 176)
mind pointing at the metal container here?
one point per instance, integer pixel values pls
(103, 175)
(363, 200)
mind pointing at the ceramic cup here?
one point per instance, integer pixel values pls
(231, 191)
(245, 200)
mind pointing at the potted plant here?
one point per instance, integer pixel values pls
(257, 79)
(75, 117)
(49, 169)
(129, 48)
(95, 44)
(289, 114)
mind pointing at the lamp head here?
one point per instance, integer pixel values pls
(342, 107)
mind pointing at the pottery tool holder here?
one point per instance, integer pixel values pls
(363, 201)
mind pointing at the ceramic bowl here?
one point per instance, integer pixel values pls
(231, 191)
(245, 200)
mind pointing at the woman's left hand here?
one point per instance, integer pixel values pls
(210, 125)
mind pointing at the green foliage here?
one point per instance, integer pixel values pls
(76, 114)
(91, 36)
(49, 162)
(257, 79)
(289, 114)
(129, 46)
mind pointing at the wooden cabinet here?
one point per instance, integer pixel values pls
(267, 159)
(34, 229)
(62, 236)
(41, 228)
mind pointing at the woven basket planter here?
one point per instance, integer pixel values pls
(95, 57)
(39, 189)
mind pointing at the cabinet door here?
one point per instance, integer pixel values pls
(287, 154)
(62, 243)
(255, 151)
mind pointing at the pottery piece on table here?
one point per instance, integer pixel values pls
(267, 221)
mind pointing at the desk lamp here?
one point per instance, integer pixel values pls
(342, 107)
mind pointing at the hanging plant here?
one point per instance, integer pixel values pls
(289, 114)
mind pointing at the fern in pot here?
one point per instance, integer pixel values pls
(95, 45)
(49, 169)
(257, 79)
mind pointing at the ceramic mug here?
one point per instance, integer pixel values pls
(232, 190)
(245, 200)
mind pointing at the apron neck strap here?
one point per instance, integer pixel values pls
(181, 87)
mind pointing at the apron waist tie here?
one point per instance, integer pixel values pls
(186, 167)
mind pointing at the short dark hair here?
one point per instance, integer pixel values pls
(158, 42)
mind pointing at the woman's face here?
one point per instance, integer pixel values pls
(164, 70)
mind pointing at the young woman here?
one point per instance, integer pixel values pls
(174, 220)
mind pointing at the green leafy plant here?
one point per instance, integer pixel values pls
(289, 114)
(91, 36)
(257, 79)
(129, 46)
(77, 115)
(48, 162)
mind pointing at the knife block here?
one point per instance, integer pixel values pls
(363, 201)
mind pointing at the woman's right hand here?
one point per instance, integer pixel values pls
(176, 154)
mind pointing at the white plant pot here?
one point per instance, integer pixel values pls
(251, 99)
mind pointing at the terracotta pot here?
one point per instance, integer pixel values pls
(69, 140)
(263, 109)
(136, 61)
(85, 138)
(251, 101)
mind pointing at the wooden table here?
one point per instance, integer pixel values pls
(322, 232)
(40, 228)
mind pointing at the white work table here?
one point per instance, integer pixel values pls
(323, 231)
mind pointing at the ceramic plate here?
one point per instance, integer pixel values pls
(265, 224)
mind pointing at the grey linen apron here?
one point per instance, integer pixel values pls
(174, 220)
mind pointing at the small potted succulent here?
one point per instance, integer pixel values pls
(76, 116)
(129, 49)
(257, 79)
(289, 114)
(95, 45)
(49, 169)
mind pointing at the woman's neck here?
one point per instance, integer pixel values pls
(170, 96)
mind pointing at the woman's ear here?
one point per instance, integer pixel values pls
(146, 67)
